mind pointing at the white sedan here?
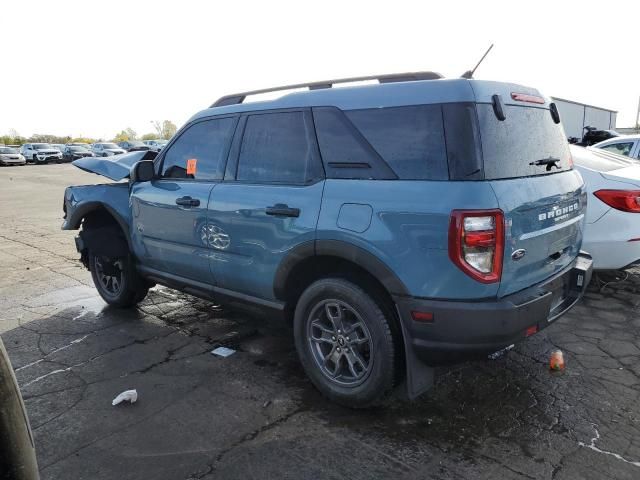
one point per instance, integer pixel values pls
(612, 232)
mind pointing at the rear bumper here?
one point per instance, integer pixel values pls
(463, 329)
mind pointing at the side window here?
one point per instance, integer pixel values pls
(410, 139)
(200, 151)
(619, 148)
(278, 148)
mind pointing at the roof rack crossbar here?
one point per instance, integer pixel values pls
(237, 98)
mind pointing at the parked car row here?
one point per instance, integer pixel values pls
(40, 153)
(138, 145)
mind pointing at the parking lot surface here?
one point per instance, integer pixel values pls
(255, 415)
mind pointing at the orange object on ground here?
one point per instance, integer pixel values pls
(556, 361)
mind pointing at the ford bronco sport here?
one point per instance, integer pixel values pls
(397, 224)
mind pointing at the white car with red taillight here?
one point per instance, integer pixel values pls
(612, 230)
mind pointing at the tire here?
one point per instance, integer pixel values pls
(127, 290)
(336, 319)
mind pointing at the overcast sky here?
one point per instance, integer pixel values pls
(96, 67)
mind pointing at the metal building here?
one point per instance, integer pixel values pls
(575, 116)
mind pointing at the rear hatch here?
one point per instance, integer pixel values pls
(527, 161)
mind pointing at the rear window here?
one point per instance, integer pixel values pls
(621, 148)
(511, 147)
(594, 159)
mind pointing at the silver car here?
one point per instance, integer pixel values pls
(156, 145)
(11, 156)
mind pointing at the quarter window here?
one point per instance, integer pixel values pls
(345, 152)
(277, 148)
(410, 139)
(201, 151)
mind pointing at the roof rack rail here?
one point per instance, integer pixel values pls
(237, 98)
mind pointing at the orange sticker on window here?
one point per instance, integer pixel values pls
(191, 166)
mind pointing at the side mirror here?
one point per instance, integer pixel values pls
(142, 171)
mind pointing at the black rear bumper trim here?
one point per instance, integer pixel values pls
(468, 328)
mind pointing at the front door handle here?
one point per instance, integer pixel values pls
(188, 202)
(282, 210)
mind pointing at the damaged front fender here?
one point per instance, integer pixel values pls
(81, 200)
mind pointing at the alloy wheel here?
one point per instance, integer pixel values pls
(110, 273)
(340, 342)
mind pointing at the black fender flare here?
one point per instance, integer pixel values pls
(81, 211)
(418, 376)
(345, 251)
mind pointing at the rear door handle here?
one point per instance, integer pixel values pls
(188, 202)
(282, 210)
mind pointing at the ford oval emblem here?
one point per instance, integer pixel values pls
(518, 254)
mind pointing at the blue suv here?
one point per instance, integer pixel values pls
(399, 225)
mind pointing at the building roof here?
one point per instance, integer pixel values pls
(583, 104)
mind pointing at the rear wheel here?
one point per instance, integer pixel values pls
(345, 343)
(117, 281)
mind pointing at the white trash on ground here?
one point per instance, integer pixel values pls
(500, 353)
(223, 351)
(126, 396)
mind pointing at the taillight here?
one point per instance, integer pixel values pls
(476, 243)
(625, 200)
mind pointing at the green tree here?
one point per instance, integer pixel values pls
(149, 136)
(131, 133)
(166, 129)
(123, 136)
(82, 139)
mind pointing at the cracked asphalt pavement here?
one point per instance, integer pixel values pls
(255, 415)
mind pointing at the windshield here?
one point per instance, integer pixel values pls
(78, 149)
(522, 145)
(111, 145)
(42, 146)
(136, 143)
(8, 150)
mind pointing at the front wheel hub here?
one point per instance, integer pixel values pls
(110, 273)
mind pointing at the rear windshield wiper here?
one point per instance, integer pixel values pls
(549, 162)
